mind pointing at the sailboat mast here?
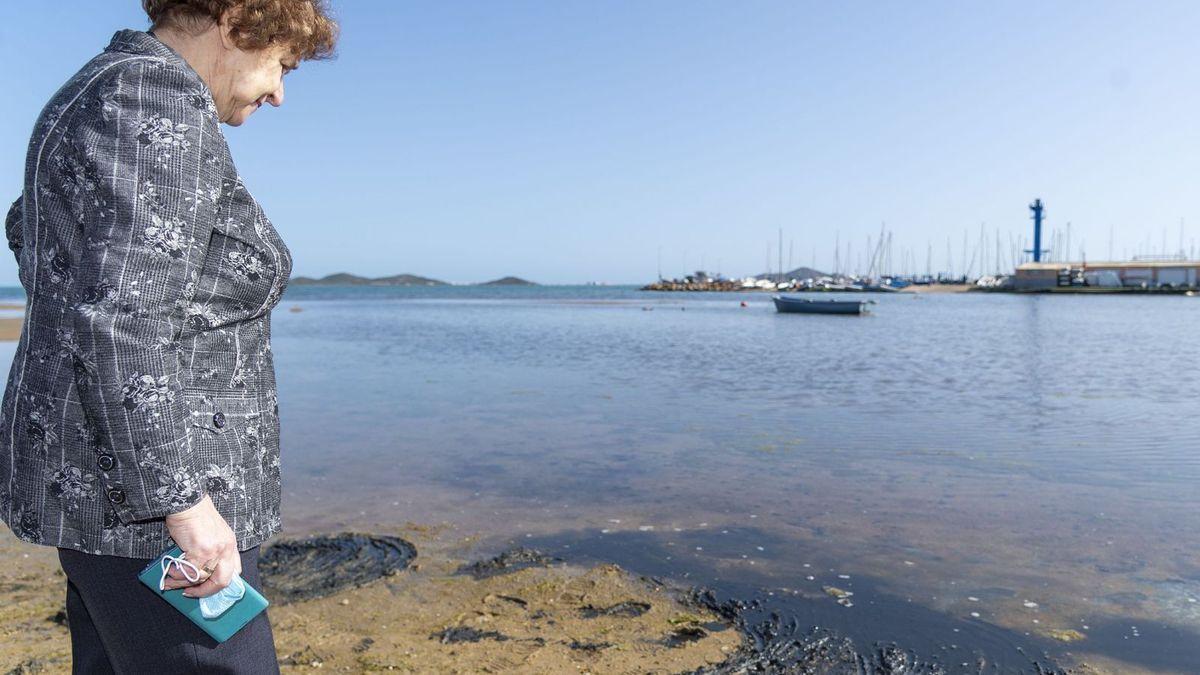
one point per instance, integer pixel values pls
(837, 253)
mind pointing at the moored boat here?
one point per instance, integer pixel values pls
(786, 305)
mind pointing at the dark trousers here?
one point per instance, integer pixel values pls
(120, 626)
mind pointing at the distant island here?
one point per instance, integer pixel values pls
(346, 279)
(508, 281)
(798, 273)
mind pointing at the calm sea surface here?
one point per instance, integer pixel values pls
(1017, 466)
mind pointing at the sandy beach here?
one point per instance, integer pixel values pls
(10, 328)
(425, 619)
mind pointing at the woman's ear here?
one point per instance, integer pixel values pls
(225, 27)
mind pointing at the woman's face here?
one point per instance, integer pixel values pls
(249, 79)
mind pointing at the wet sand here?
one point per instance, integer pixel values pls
(427, 618)
(10, 328)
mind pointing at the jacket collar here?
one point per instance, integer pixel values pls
(144, 44)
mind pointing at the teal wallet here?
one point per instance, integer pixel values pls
(222, 627)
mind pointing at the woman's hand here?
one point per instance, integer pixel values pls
(207, 539)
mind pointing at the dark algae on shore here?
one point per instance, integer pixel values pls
(509, 560)
(314, 567)
(791, 632)
(782, 630)
(628, 608)
(781, 633)
(779, 643)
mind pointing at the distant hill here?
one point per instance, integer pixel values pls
(345, 279)
(341, 278)
(407, 280)
(798, 273)
(509, 281)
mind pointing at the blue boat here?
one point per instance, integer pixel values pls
(786, 305)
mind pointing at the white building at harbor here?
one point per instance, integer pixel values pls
(1147, 274)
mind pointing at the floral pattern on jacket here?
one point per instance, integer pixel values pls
(144, 378)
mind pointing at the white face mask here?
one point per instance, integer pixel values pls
(213, 605)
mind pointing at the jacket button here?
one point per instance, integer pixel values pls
(219, 420)
(117, 496)
(106, 462)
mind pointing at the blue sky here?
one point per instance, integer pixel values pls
(568, 142)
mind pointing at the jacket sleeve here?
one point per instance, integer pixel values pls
(148, 150)
(12, 228)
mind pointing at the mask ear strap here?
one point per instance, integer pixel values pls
(183, 566)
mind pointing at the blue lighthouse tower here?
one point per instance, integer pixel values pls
(1037, 249)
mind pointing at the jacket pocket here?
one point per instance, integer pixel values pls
(221, 415)
(235, 283)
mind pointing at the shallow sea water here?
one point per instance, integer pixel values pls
(1011, 467)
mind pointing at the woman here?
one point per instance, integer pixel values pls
(140, 411)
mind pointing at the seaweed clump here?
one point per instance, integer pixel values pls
(314, 567)
(627, 609)
(509, 561)
(775, 644)
(456, 634)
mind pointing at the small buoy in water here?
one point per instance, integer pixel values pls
(1190, 294)
(743, 303)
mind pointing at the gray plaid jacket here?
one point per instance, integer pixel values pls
(144, 377)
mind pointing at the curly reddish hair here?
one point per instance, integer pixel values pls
(303, 26)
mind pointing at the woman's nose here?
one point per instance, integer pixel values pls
(276, 97)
